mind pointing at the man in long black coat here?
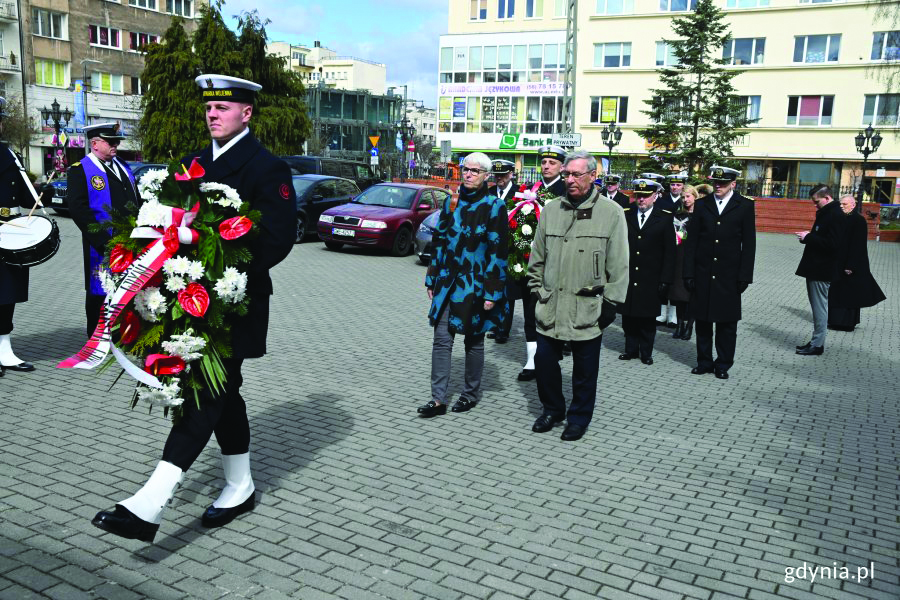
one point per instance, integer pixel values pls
(237, 159)
(611, 190)
(651, 267)
(718, 266)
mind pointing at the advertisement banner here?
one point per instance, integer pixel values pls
(446, 108)
(538, 88)
(459, 108)
(79, 103)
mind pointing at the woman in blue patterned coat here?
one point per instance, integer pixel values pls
(465, 282)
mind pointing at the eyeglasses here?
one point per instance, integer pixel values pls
(567, 174)
(473, 171)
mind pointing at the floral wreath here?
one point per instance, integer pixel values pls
(523, 220)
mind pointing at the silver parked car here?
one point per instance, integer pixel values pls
(423, 237)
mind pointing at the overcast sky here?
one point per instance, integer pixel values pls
(402, 34)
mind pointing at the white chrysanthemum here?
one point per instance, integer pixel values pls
(167, 396)
(153, 214)
(527, 209)
(194, 270)
(150, 304)
(175, 284)
(527, 230)
(185, 345)
(232, 286)
(177, 265)
(222, 194)
(107, 282)
(518, 268)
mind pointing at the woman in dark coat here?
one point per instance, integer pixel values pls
(678, 294)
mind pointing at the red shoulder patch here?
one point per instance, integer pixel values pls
(284, 191)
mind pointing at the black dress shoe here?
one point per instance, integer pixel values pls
(124, 523)
(701, 370)
(23, 367)
(647, 361)
(626, 356)
(567, 348)
(216, 517)
(811, 351)
(573, 432)
(432, 409)
(491, 335)
(501, 339)
(720, 374)
(545, 423)
(463, 404)
(804, 346)
(527, 375)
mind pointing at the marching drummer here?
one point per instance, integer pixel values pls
(99, 181)
(13, 280)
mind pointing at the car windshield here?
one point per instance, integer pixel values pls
(387, 195)
(301, 185)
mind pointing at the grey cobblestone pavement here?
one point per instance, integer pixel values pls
(684, 486)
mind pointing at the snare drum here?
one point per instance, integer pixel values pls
(28, 241)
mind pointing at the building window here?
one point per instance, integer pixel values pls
(108, 37)
(615, 7)
(534, 9)
(818, 1)
(610, 56)
(137, 40)
(744, 51)
(810, 111)
(752, 104)
(816, 48)
(665, 55)
(151, 4)
(747, 3)
(677, 5)
(137, 86)
(182, 8)
(609, 109)
(48, 24)
(882, 109)
(478, 10)
(886, 45)
(106, 82)
(506, 9)
(51, 73)
(560, 8)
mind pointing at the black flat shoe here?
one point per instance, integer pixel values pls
(124, 523)
(721, 374)
(23, 367)
(432, 409)
(501, 339)
(804, 346)
(545, 423)
(216, 517)
(626, 356)
(701, 370)
(811, 351)
(463, 404)
(573, 432)
(527, 375)
(647, 361)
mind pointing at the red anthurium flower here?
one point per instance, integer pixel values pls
(129, 327)
(194, 172)
(527, 255)
(163, 364)
(170, 239)
(120, 258)
(513, 224)
(235, 227)
(194, 299)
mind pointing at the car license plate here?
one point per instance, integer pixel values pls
(338, 231)
(57, 201)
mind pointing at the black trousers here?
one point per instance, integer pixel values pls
(682, 310)
(92, 306)
(585, 368)
(640, 333)
(519, 290)
(726, 340)
(6, 318)
(225, 415)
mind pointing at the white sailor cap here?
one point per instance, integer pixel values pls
(224, 87)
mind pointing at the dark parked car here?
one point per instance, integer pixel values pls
(424, 235)
(316, 193)
(384, 216)
(58, 200)
(358, 172)
(138, 169)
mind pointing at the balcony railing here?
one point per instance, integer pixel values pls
(8, 11)
(7, 64)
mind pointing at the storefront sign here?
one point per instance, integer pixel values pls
(514, 141)
(540, 88)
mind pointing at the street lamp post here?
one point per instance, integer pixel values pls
(60, 119)
(611, 135)
(404, 130)
(867, 142)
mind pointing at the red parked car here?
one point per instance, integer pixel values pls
(384, 215)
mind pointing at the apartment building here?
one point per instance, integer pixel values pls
(423, 119)
(810, 81)
(321, 66)
(87, 56)
(10, 53)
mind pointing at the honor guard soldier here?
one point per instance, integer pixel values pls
(503, 171)
(13, 279)
(671, 198)
(651, 268)
(718, 266)
(613, 192)
(234, 158)
(551, 160)
(99, 182)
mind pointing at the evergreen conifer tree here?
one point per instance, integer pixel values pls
(696, 115)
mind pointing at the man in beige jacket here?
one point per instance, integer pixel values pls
(579, 272)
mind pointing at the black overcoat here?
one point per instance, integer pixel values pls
(619, 198)
(859, 289)
(509, 198)
(823, 244)
(720, 252)
(679, 293)
(666, 202)
(13, 280)
(651, 261)
(265, 182)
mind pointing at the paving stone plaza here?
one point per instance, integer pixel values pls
(683, 487)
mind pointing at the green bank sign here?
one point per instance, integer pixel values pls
(515, 141)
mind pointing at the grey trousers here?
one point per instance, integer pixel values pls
(818, 300)
(442, 350)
